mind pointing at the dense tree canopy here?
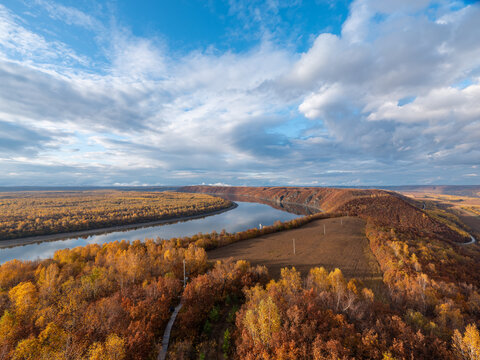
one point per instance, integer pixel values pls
(30, 214)
(113, 301)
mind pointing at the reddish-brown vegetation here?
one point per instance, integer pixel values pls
(326, 317)
(387, 208)
(205, 299)
(433, 283)
(112, 301)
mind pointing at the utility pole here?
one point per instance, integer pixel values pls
(293, 246)
(184, 277)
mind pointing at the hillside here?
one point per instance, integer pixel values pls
(386, 208)
(432, 281)
(390, 281)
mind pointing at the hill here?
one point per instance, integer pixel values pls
(431, 277)
(386, 208)
(112, 301)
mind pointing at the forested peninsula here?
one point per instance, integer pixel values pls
(29, 214)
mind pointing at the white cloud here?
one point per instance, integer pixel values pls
(357, 79)
(152, 116)
(19, 43)
(69, 15)
(446, 104)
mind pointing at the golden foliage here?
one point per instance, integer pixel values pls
(24, 297)
(468, 345)
(37, 213)
(112, 349)
(263, 321)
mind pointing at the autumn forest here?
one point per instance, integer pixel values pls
(32, 213)
(113, 301)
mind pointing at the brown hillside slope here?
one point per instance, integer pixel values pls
(385, 208)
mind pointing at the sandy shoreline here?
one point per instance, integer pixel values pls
(64, 236)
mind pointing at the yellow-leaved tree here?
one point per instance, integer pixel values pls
(263, 321)
(51, 344)
(468, 345)
(24, 296)
(112, 349)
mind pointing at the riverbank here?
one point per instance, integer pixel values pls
(8, 243)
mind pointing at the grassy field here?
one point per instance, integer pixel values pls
(344, 246)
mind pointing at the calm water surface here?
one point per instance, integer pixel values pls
(246, 216)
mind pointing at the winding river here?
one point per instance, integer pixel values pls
(245, 216)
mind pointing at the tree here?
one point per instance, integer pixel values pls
(9, 330)
(318, 278)
(226, 343)
(112, 349)
(338, 284)
(263, 322)
(468, 346)
(50, 344)
(24, 296)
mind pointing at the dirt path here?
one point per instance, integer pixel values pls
(63, 236)
(472, 241)
(455, 205)
(344, 246)
(472, 220)
(166, 335)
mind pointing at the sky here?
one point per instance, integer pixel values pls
(239, 92)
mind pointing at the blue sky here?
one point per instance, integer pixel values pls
(239, 92)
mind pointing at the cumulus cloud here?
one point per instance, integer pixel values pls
(389, 51)
(152, 116)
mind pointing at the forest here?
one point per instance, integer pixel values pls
(113, 301)
(32, 213)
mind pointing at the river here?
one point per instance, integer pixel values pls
(245, 216)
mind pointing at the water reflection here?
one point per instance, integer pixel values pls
(246, 216)
(297, 209)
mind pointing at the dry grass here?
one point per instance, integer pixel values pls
(465, 208)
(344, 246)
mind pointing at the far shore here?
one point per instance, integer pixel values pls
(7, 243)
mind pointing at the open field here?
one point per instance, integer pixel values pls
(465, 208)
(344, 246)
(453, 190)
(454, 200)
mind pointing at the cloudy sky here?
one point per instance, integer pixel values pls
(270, 92)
